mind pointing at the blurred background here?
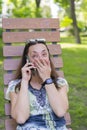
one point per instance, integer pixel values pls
(72, 15)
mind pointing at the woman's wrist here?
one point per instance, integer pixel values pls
(24, 80)
(46, 78)
(24, 83)
(48, 81)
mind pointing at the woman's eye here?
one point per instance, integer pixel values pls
(44, 54)
(34, 56)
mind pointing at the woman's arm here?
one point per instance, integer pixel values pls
(20, 109)
(58, 99)
(20, 103)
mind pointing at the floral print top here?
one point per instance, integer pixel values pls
(42, 116)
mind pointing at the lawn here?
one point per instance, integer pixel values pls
(75, 69)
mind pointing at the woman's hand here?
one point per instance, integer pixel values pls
(26, 71)
(43, 68)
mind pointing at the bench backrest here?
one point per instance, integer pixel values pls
(16, 31)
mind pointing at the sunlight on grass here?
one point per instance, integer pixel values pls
(67, 45)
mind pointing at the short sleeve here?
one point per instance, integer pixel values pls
(11, 88)
(62, 82)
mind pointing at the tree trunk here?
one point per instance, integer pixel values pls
(75, 27)
(38, 3)
(38, 12)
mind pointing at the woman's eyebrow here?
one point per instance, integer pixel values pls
(41, 51)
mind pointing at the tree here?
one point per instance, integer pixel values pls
(18, 8)
(38, 3)
(24, 8)
(27, 8)
(38, 9)
(0, 6)
(71, 4)
(73, 16)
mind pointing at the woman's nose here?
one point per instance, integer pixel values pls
(40, 57)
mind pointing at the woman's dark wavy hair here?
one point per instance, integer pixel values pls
(18, 74)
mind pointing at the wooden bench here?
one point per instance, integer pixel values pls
(16, 31)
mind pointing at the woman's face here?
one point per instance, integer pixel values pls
(38, 52)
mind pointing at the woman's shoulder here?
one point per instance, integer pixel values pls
(62, 82)
(11, 87)
(14, 82)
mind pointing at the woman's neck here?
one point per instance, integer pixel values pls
(36, 81)
(36, 78)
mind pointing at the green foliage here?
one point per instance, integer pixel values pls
(1, 6)
(23, 12)
(63, 3)
(24, 8)
(65, 22)
(46, 12)
(84, 5)
(38, 12)
(28, 8)
(81, 26)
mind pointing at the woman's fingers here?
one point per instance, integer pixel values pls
(42, 64)
(38, 64)
(28, 64)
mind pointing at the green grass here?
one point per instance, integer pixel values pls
(75, 69)
(75, 65)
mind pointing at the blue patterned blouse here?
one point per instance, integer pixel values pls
(42, 116)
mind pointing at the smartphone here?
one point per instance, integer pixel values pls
(28, 60)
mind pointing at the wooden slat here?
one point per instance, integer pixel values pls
(55, 49)
(67, 118)
(18, 50)
(12, 64)
(60, 73)
(13, 50)
(7, 109)
(10, 76)
(31, 23)
(50, 36)
(10, 124)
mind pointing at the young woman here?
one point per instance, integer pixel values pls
(38, 96)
